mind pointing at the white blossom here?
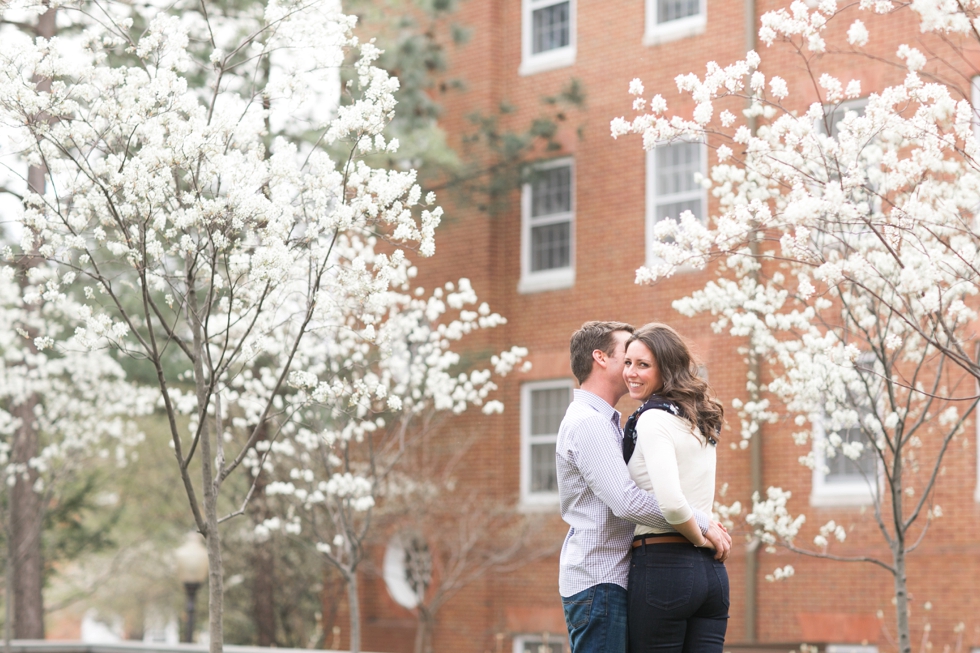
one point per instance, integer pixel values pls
(857, 34)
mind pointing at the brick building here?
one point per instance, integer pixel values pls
(566, 250)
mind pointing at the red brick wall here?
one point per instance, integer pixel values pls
(825, 600)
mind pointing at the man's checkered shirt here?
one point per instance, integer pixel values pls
(599, 500)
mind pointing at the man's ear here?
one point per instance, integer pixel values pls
(599, 357)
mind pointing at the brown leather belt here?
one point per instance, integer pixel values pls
(662, 539)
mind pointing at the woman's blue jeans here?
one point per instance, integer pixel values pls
(678, 600)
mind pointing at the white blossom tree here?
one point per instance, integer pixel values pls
(221, 224)
(79, 402)
(367, 394)
(845, 252)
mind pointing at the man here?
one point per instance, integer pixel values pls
(599, 500)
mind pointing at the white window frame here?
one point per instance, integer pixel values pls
(558, 278)
(536, 499)
(532, 63)
(396, 576)
(651, 195)
(656, 33)
(823, 494)
(556, 638)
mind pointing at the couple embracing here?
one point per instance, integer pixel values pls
(642, 567)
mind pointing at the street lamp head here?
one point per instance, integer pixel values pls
(192, 560)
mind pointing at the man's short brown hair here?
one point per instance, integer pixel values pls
(592, 336)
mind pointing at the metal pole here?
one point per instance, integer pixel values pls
(191, 590)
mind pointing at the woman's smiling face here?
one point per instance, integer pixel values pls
(640, 371)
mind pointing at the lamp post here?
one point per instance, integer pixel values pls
(192, 570)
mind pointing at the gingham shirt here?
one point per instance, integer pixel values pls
(599, 500)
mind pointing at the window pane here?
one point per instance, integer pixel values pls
(544, 477)
(551, 246)
(843, 469)
(674, 210)
(547, 409)
(668, 10)
(677, 164)
(837, 114)
(540, 647)
(551, 28)
(551, 192)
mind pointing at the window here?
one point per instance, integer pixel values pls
(548, 35)
(837, 479)
(407, 569)
(669, 20)
(836, 113)
(547, 228)
(543, 405)
(672, 187)
(542, 643)
(839, 232)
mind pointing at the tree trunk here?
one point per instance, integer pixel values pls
(898, 557)
(354, 610)
(26, 523)
(208, 472)
(215, 576)
(901, 598)
(215, 568)
(423, 634)
(26, 509)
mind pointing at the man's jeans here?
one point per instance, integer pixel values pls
(596, 619)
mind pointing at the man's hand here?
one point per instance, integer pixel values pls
(720, 541)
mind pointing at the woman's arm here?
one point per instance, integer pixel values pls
(692, 531)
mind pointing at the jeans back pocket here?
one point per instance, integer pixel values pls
(669, 585)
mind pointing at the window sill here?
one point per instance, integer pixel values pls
(542, 281)
(848, 494)
(539, 63)
(675, 30)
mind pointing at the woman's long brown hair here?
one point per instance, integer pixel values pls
(679, 374)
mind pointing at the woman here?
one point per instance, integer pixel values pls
(678, 592)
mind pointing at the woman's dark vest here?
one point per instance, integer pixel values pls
(655, 402)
